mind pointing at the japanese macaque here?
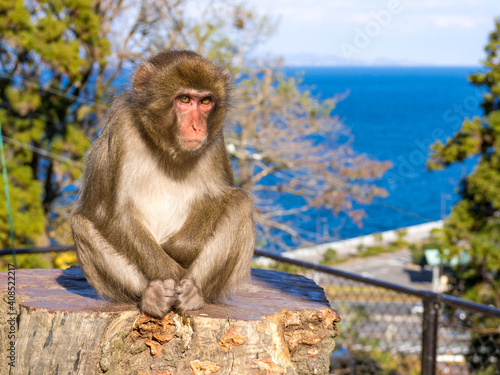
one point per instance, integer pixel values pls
(159, 221)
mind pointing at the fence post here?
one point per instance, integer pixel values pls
(429, 335)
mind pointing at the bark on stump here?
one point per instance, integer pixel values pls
(279, 324)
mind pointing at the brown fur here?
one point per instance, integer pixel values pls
(158, 224)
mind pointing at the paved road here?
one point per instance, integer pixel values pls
(389, 267)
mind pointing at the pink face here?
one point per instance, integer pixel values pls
(193, 110)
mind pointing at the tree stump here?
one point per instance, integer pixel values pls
(278, 324)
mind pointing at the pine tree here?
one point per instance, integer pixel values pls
(474, 223)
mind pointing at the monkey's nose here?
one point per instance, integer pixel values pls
(197, 127)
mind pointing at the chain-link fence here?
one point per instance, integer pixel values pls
(391, 329)
(381, 330)
(381, 333)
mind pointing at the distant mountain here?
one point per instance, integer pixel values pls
(305, 59)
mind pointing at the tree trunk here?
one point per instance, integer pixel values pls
(279, 324)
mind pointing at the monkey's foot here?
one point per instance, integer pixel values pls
(159, 298)
(188, 297)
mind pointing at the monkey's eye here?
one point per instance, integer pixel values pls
(206, 101)
(184, 99)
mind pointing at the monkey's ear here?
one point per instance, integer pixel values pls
(142, 77)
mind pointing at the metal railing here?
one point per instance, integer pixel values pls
(435, 309)
(453, 317)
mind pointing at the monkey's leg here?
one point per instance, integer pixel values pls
(114, 276)
(110, 274)
(226, 257)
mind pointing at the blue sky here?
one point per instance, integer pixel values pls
(380, 32)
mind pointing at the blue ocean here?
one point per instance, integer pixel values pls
(394, 114)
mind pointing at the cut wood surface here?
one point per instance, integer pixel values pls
(278, 324)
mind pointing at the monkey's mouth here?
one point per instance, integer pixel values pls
(191, 143)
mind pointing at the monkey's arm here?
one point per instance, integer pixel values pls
(127, 238)
(224, 235)
(131, 238)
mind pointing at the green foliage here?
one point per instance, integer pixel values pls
(401, 234)
(418, 251)
(378, 237)
(280, 266)
(474, 223)
(330, 257)
(417, 255)
(27, 218)
(27, 261)
(286, 267)
(48, 51)
(368, 251)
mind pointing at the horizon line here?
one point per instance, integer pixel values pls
(377, 66)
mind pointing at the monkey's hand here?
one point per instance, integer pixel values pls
(188, 297)
(158, 298)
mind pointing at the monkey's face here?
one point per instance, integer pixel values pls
(193, 109)
(182, 99)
